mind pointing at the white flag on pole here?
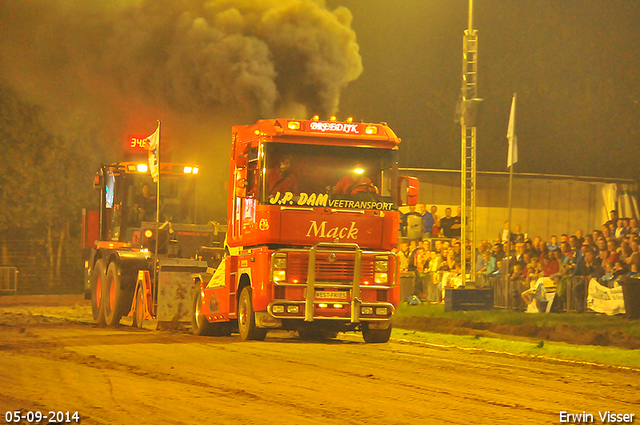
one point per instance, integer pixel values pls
(511, 135)
(153, 144)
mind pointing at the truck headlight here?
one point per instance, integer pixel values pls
(280, 262)
(381, 266)
(380, 278)
(279, 275)
(366, 310)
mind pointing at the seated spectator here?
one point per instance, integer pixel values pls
(612, 247)
(533, 270)
(620, 230)
(536, 248)
(435, 262)
(517, 273)
(626, 253)
(498, 271)
(597, 234)
(633, 227)
(423, 261)
(619, 268)
(498, 252)
(450, 264)
(603, 255)
(588, 239)
(588, 268)
(568, 260)
(608, 278)
(538, 292)
(518, 284)
(528, 247)
(490, 264)
(480, 263)
(612, 230)
(550, 263)
(518, 258)
(426, 245)
(635, 251)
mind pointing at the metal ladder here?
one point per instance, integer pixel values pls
(468, 160)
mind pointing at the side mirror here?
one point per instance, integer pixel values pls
(98, 182)
(411, 191)
(241, 182)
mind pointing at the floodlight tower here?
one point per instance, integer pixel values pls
(468, 116)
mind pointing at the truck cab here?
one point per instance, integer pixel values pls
(313, 219)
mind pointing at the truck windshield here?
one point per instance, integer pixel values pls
(330, 176)
(177, 198)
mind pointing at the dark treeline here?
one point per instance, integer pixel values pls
(45, 181)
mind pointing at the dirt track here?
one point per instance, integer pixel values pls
(127, 376)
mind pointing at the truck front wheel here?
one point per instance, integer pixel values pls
(247, 318)
(97, 281)
(199, 324)
(375, 335)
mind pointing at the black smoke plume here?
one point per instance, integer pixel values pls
(107, 69)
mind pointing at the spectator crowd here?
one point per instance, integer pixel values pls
(605, 254)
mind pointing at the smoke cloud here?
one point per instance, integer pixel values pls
(253, 56)
(198, 65)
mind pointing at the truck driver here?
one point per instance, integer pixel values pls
(355, 182)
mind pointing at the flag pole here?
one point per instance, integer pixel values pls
(155, 268)
(511, 160)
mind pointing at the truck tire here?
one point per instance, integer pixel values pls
(98, 275)
(138, 313)
(113, 296)
(372, 336)
(199, 324)
(247, 318)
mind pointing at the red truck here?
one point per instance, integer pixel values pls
(312, 221)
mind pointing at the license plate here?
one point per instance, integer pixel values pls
(323, 295)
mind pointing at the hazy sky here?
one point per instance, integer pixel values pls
(204, 65)
(575, 65)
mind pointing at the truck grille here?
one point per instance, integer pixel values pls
(338, 271)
